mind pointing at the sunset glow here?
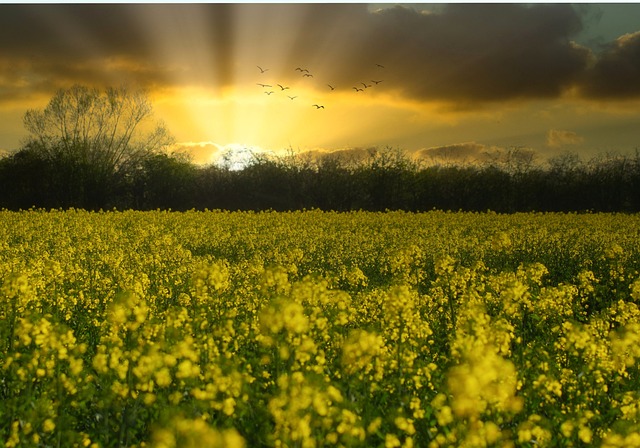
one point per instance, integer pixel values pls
(551, 78)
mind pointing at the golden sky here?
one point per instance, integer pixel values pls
(456, 79)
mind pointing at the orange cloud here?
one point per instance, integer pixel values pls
(556, 138)
(200, 153)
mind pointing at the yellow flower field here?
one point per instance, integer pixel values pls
(311, 329)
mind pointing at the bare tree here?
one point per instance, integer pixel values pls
(109, 131)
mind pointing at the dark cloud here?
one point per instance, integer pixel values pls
(143, 44)
(616, 73)
(471, 52)
(68, 31)
(484, 52)
(77, 31)
(462, 54)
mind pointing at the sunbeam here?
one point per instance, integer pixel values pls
(414, 76)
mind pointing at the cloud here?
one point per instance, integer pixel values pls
(232, 155)
(483, 52)
(477, 153)
(616, 72)
(142, 44)
(462, 53)
(200, 153)
(557, 138)
(345, 156)
(459, 153)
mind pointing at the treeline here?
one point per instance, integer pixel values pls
(386, 179)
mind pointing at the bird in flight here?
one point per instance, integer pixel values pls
(263, 85)
(262, 70)
(358, 90)
(365, 85)
(282, 87)
(331, 87)
(317, 106)
(269, 93)
(302, 69)
(377, 82)
(292, 97)
(381, 66)
(308, 75)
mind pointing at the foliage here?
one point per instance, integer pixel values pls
(385, 179)
(319, 329)
(101, 150)
(90, 142)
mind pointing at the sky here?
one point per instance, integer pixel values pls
(436, 80)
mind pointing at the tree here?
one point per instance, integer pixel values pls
(166, 181)
(95, 138)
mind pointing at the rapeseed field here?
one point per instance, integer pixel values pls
(313, 329)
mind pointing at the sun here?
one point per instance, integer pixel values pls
(236, 156)
(270, 96)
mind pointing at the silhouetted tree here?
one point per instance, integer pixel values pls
(334, 186)
(386, 179)
(388, 176)
(94, 139)
(25, 181)
(165, 181)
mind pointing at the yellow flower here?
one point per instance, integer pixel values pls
(229, 406)
(585, 434)
(635, 290)
(391, 441)
(48, 425)
(187, 369)
(163, 377)
(149, 399)
(405, 424)
(374, 425)
(100, 362)
(567, 428)
(484, 380)
(444, 416)
(75, 365)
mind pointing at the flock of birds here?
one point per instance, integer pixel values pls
(305, 74)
